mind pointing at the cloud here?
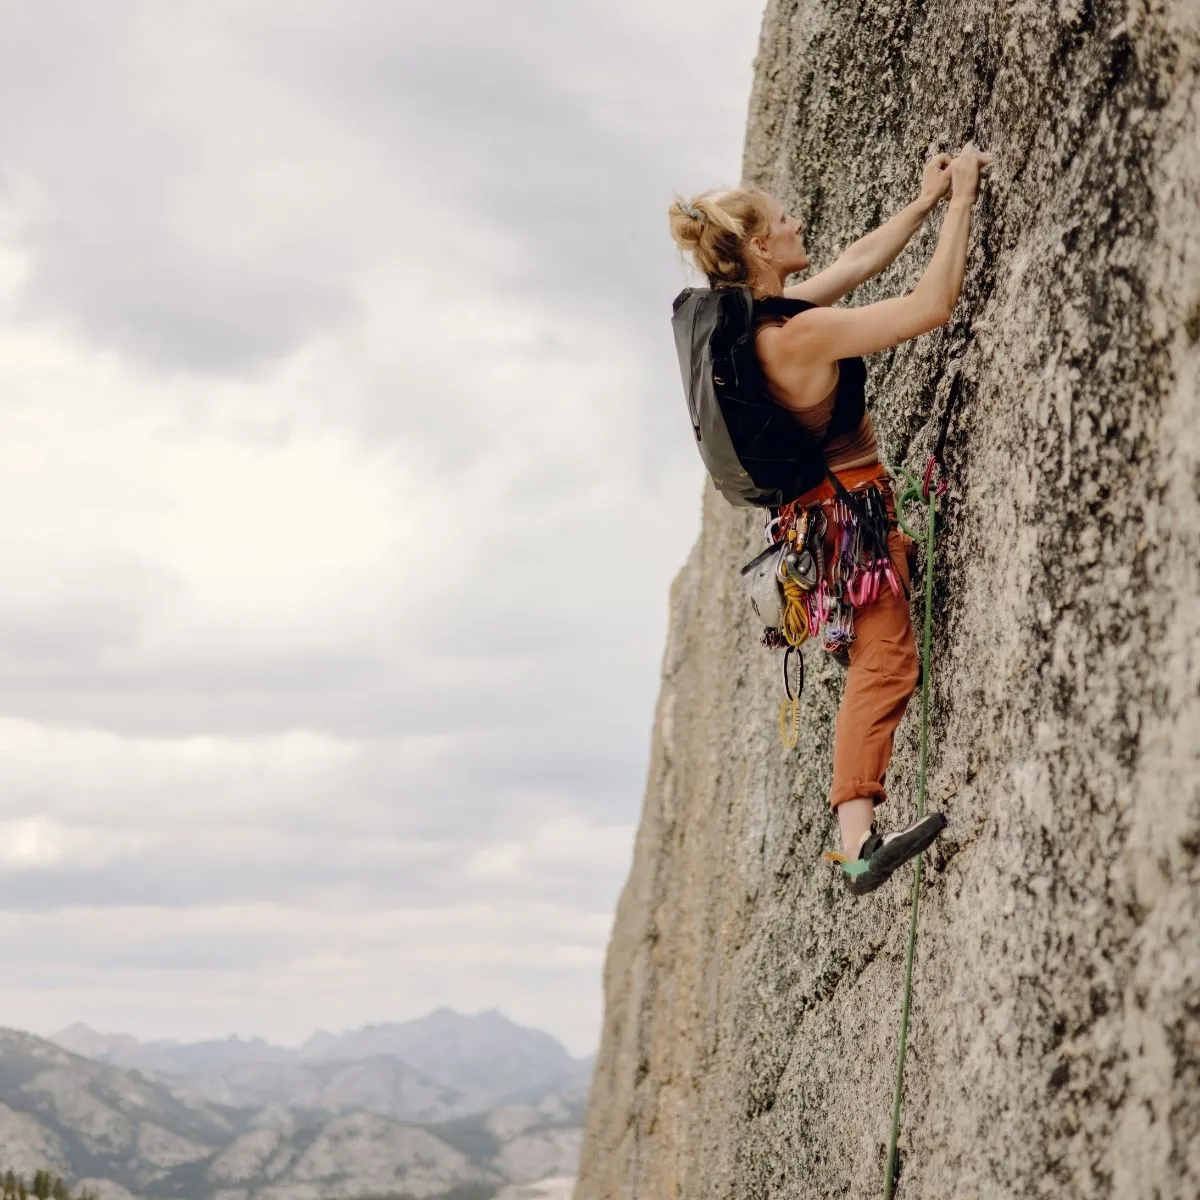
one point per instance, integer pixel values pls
(349, 472)
(152, 176)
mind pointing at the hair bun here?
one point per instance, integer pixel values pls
(717, 235)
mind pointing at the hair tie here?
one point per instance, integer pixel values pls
(689, 210)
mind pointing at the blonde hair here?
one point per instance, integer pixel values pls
(715, 228)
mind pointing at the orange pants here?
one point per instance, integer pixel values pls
(883, 664)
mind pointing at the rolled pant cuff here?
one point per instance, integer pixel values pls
(857, 789)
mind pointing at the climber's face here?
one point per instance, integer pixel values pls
(783, 247)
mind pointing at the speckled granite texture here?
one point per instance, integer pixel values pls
(752, 1007)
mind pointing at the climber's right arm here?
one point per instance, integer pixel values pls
(827, 334)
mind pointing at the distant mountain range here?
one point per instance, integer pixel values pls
(448, 1106)
(439, 1067)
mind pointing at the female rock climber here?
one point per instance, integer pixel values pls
(812, 362)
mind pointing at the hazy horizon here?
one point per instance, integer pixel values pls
(299, 1043)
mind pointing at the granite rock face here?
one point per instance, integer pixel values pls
(752, 1007)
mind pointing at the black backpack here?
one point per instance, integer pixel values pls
(757, 453)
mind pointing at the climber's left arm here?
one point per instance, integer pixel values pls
(878, 249)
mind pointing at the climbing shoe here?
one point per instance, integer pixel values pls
(883, 854)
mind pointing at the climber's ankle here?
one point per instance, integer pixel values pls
(854, 822)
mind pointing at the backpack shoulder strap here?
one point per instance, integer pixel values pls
(781, 307)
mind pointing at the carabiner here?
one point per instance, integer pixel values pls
(933, 465)
(889, 573)
(912, 491)
(824, 607)
(860, 590)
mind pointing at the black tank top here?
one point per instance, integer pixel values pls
(850, 403)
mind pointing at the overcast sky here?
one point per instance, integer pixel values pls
(343, 472)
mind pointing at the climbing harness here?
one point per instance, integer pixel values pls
(823, 561)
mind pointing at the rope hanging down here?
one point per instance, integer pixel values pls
(925, 492)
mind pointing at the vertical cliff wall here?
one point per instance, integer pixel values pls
(751, 1005)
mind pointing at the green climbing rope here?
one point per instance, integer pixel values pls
(920, 492)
